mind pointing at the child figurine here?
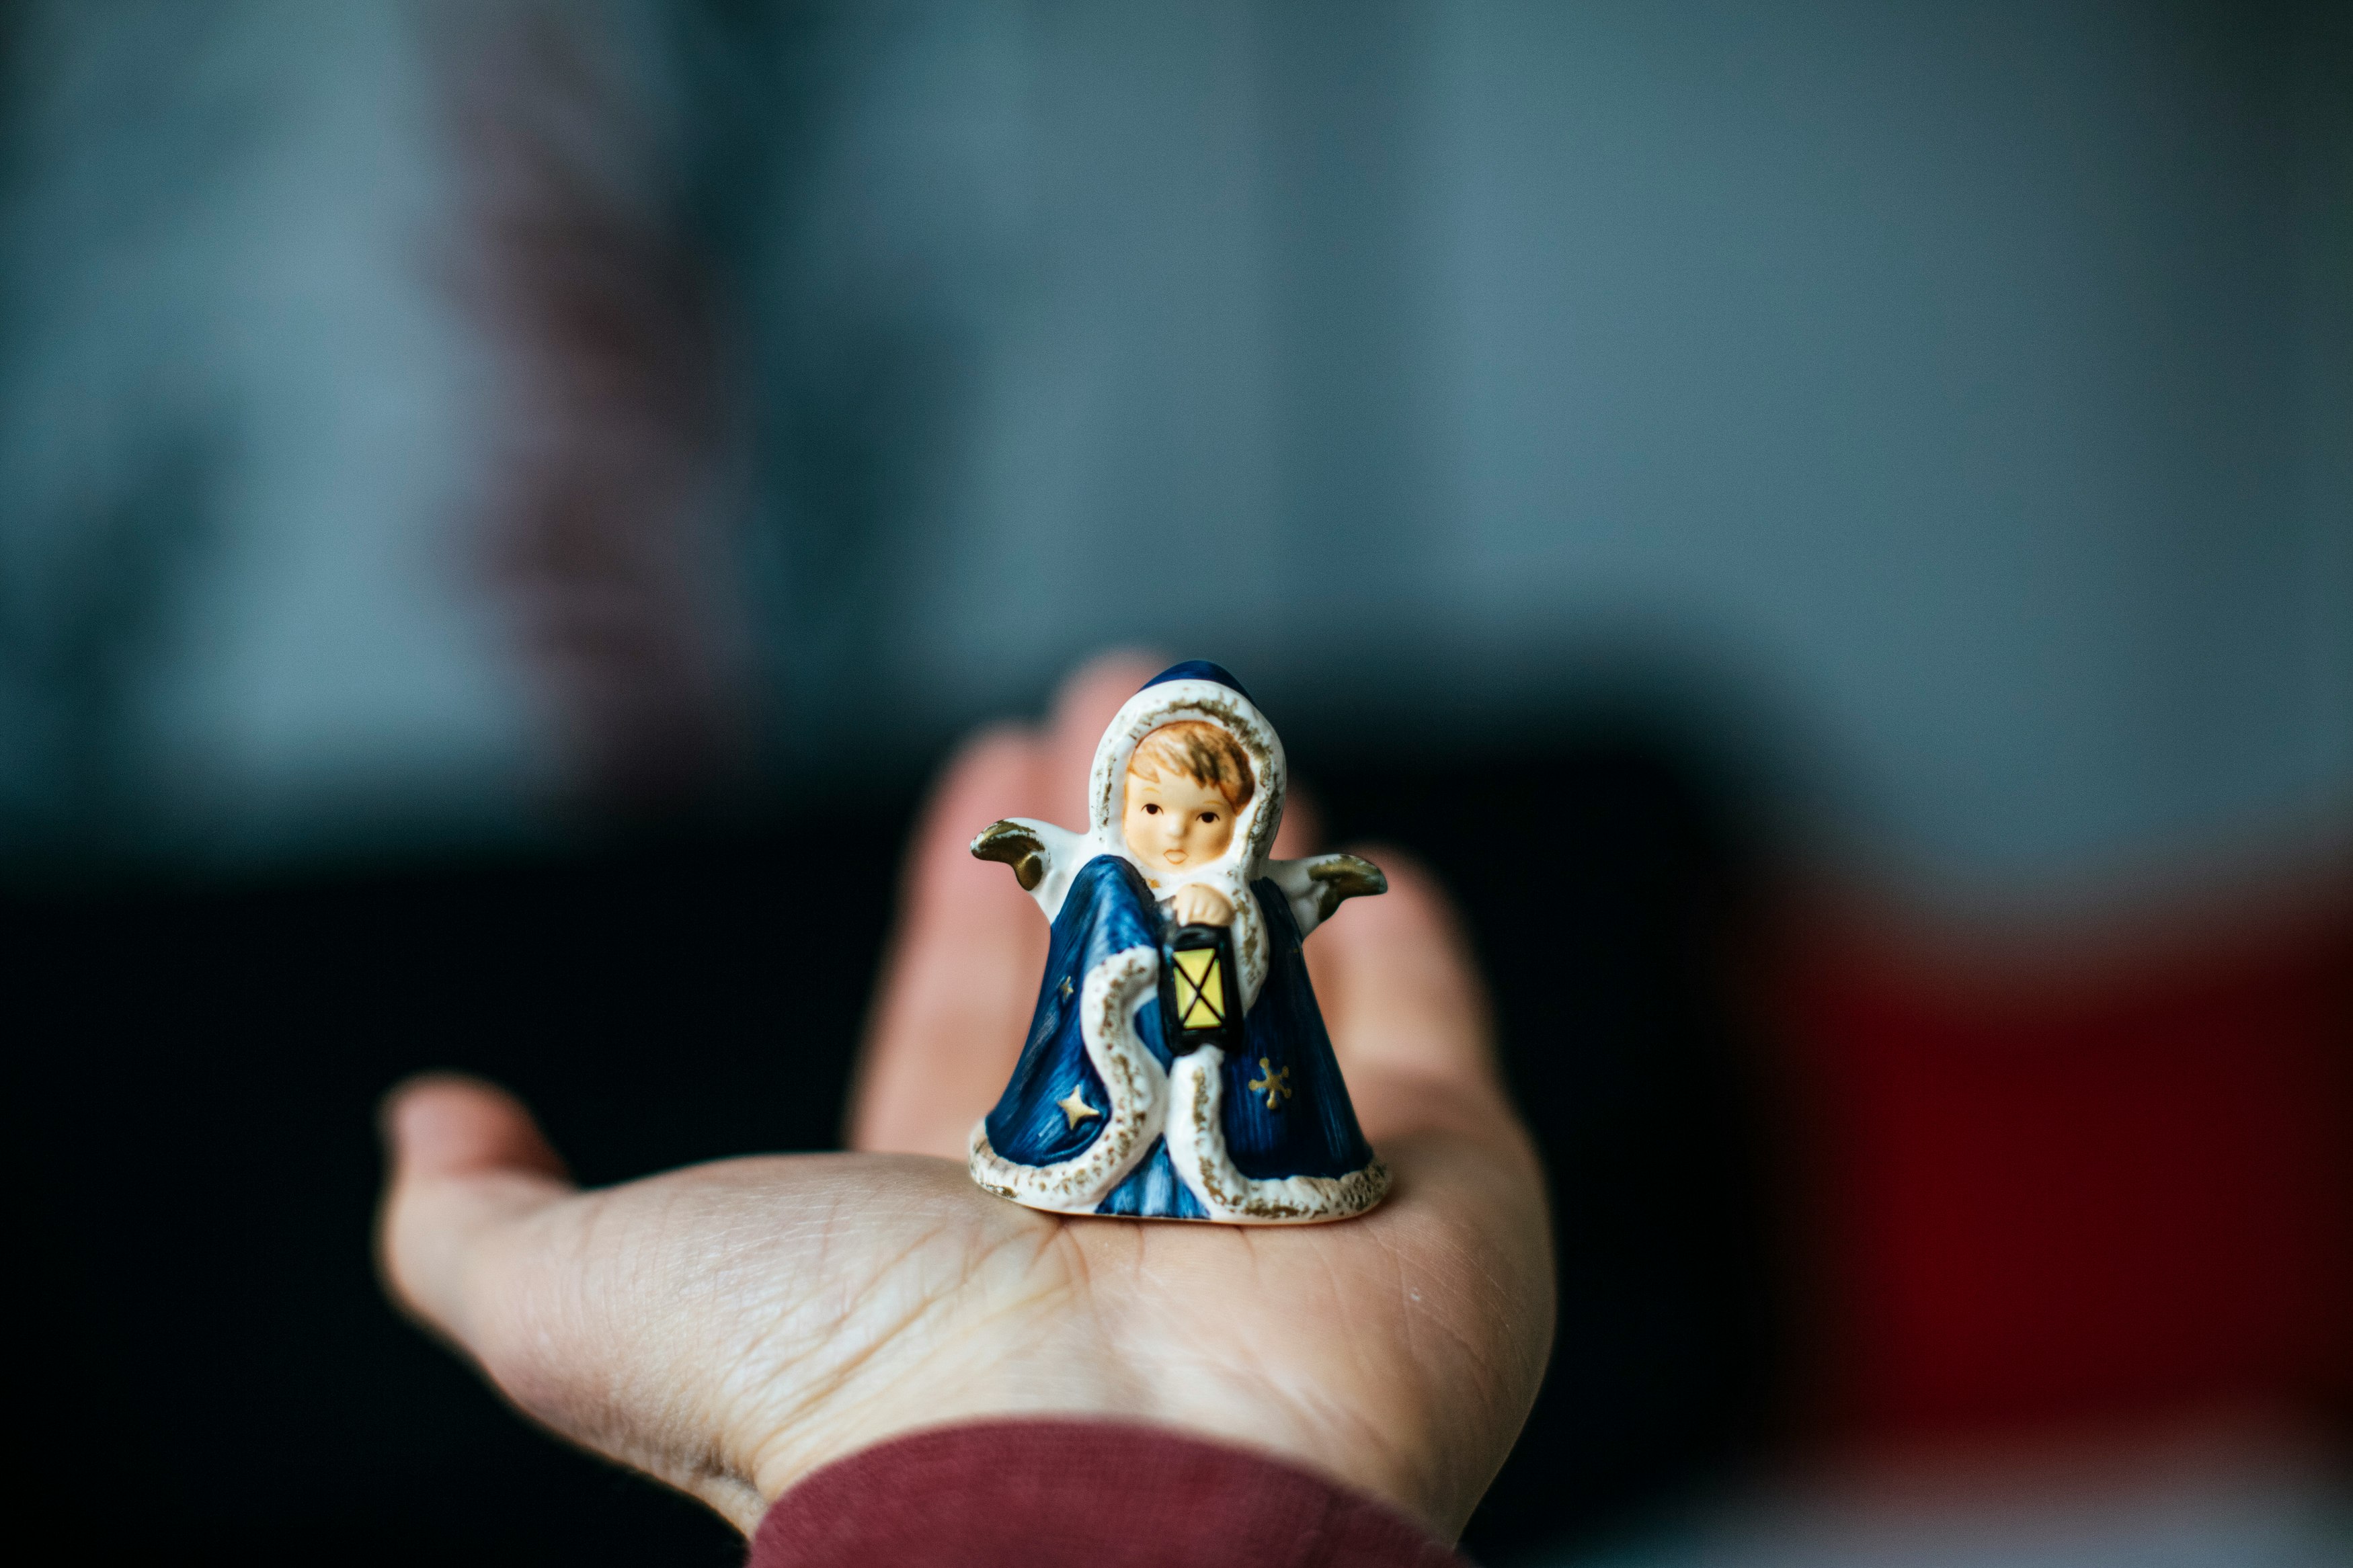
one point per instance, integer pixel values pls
(1176, 1066)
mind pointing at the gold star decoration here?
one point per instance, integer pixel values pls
(1074, 1106)
(1277, 1082)
(1066, 988)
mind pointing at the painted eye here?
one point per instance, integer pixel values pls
(1150, 809)
(1209, 817)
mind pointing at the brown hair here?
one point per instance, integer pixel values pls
(1202, 752)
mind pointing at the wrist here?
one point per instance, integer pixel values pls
(1384, 1471)
(1113, 1491)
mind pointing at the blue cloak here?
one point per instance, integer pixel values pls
(1283, 1108)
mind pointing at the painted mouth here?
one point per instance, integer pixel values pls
(1174, 857)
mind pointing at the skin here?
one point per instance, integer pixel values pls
(1177, 822)
(731, 1327)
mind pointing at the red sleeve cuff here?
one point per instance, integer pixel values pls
(1079, 1494)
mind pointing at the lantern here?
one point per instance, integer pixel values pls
(1199, 1002)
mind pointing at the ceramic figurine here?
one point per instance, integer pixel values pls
(1177, 1067)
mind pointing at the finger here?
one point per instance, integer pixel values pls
(467, 1160)
(1083, 710)
(963, 970)
(448, 1124)
(963, 966)
(1402, 998)
(1302, 828)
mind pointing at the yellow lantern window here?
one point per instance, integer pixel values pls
(1200, 988)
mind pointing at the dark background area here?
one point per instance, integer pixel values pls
(192, 1129)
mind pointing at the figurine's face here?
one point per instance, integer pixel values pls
(1172, 821)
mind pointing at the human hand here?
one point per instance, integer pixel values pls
(1195, 904)
(732, 1327)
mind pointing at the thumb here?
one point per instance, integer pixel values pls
(467, 1160)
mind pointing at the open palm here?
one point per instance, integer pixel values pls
(732, 1327)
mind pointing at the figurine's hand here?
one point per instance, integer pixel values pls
(731, 1327)
(1196, 905)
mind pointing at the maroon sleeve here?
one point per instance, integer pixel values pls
(1080, 1494)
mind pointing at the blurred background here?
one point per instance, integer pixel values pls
(1831, 525)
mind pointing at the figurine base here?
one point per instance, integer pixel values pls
(1185, 1173)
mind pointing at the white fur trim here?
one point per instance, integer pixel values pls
(1131, 1076)
(1170, 702)
(1197, 1148)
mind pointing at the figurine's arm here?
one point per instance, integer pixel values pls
(1317, 885)
(1044, 857)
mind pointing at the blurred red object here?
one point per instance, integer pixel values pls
(2069, 1186)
